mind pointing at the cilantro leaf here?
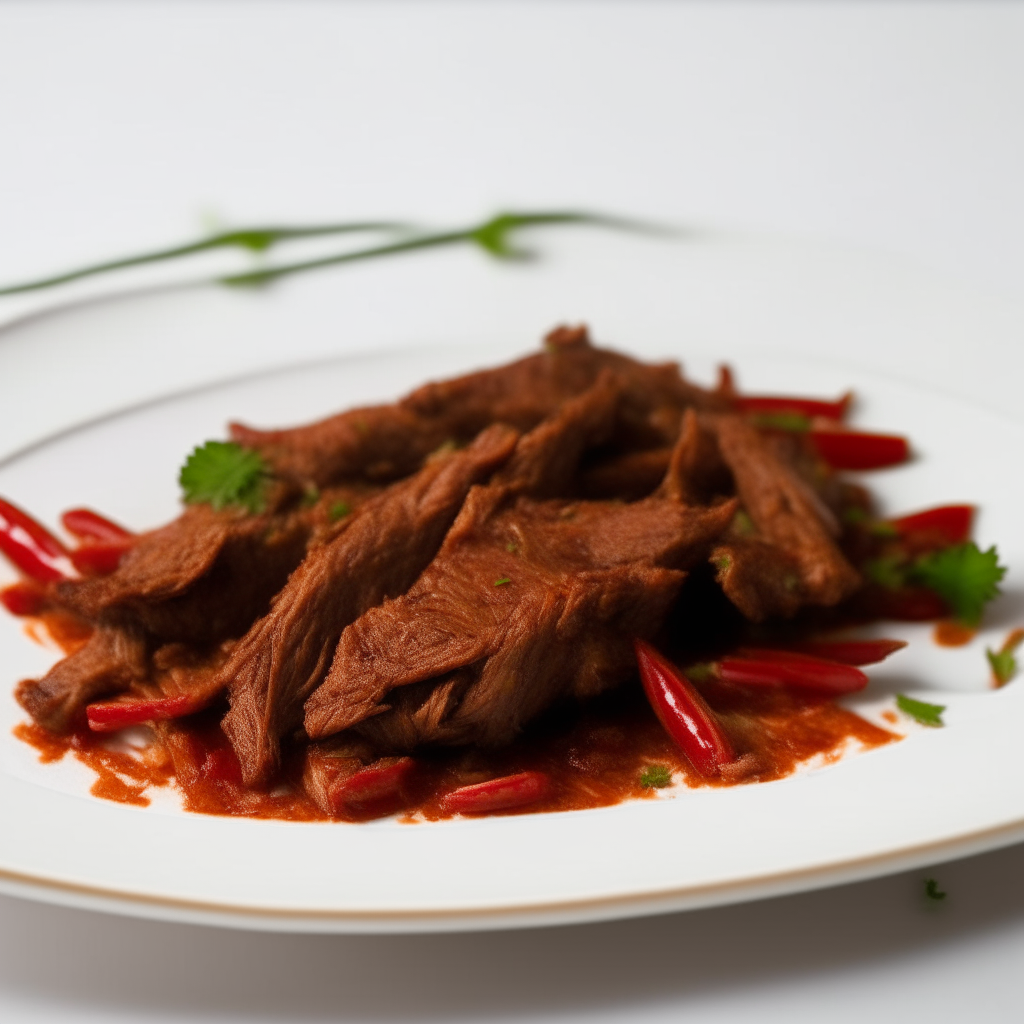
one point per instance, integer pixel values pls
(656, 776)
(932, 890)
(221, 474)
(338, 510)
(502, 580)
(964, 576)
(926, 714)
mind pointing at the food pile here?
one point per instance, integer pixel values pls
(374, 612)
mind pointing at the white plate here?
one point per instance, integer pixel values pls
(938, 794)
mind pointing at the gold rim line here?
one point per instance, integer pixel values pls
(521, 910)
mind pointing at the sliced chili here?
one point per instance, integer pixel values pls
(851, 652)
(85, 524)
(951, 523)
(373, 785)
(504, 794)
(908, 604)
(24, 598)
(683, 712)
(766, 667)
(31, 547)
(845, 449)
(100, 558)
(810, 407)
(109, 716)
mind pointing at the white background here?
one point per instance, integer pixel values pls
(893, 129)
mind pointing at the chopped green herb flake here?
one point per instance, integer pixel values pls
(701, 672)
(880, 528)
(338, 510)
(932, 890)
(964, 576)
(311, 496)
(502, 580)
(445, 448)
(889, 571)
(1004, 665)
(511, 547)
(926, 714)
(656, 776)
(723, 562)
(222, 474)
(854, 514)
(793, 422)
(743, 524)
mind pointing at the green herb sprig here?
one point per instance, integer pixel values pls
(966, 577)
(963, 575)
(255, 240)
(493, 236)
(224, 474)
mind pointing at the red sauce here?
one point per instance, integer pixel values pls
(594, 758)
(950, 633)
(67, 631)
(120, 776)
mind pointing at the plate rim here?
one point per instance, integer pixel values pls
(548, 912)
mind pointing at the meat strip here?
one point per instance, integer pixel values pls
(786, 513)
(526, 602)
(381, 551)
(760, 579)
(204, 577)
(109, 662)
(390, 441)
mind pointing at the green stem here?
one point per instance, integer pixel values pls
(253, 239)
(491, 235)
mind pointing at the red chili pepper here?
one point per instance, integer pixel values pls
(371, 785)
(851, 652)
(100, 558)
(845, 449)
(109, 716)
(502, 794)
(810, 407)
(765, 667)
(31, 547)
(23, 598)
(85, 524)
(683, 712)
(908, 604)
(221, 765)
(952, 523)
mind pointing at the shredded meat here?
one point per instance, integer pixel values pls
(390, 441)
(204, 577)
(444, 569)
(787, 514)
(526, 602)
(110, 662)
(382, 550)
